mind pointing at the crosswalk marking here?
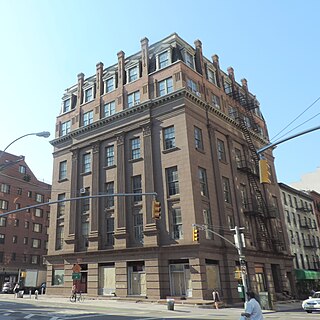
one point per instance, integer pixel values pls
(29, 316)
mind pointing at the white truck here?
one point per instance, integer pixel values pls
(34, 280)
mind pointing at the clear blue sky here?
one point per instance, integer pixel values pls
(45, 44)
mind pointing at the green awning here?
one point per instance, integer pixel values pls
(307, 274)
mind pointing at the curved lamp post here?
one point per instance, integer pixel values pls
(44, 134)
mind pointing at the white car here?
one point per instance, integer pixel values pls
(313, 303)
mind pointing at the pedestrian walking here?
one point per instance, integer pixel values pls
(216, 298)
(253, 310)
(16, 290)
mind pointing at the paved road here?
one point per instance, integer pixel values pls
(55, 308)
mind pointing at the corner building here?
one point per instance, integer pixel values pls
(164, 120)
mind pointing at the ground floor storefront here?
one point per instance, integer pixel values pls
(158, 273)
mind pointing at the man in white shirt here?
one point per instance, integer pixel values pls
(253, 309)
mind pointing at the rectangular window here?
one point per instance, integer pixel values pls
(26, 224)
(109, 109)
(109, 85)
(57, 276)
(19, 191)
(5, 188)
(163, 59)
(198, 138)
(39, 197)
(22, 169)
(109, 156)
(37, 227)
(169, 138)
(135, 148)
(189, 60)
(221, 150)
(86, 168)
(3, 221)
(133, 74)
(133, 99)
(227, 87)
(136, 188)
(110, 231)
(15, 239)
(192, 86)
(16, 223)
(35, 259)
(36, 243)
(61, 206)
(109, 189)
(59, 236)
(88, 95)
(38, 212)
(138, 227)
(66, 105)
(208, 223)
(85, 203)
(62, 170)
(87, 118)
(65, 128)
(212, 76)
(216, 101)
(2, 238)
(4, 204)
(165, 87)
(226, 189)
(177, 224)
(203, 182)
(284, 198)
(172, 181)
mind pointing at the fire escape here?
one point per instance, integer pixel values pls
(257, 205)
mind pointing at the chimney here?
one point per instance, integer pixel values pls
(80, 86)
(121, 73)
(145, 56)
(99, 74)
(199, 57)
(215, 62)
(244, 83)
(231, 73)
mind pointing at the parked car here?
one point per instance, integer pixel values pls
(313, 303)
(7, 287)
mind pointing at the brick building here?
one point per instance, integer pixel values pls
(23, 235)
(170, 121)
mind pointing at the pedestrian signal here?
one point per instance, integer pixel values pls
(264, 171)
(195, 234)
(156, 209)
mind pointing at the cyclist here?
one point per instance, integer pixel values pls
(74, 292)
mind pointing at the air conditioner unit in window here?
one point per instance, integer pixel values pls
(198, 94)
(83, 190)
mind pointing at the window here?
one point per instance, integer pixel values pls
(189, 59)
(221, 150)
(212, 76)
(29, 194)
(19, 191)
(216, 101)
(165, 87)
(203, 182)
(57, 276)
(61, 205)
(63, 170)
(109, 85)
(87, 118)
(85, 203)
(177, 224)
(135, 148)
(169, 138)
(18, 205)
(133, 74)
(284, 198)
(2, 238)
(163, 59)
(16, 223)
(294, 219)
(5, 188)
(172, 181)
(3, 221)
(36, 243)
(227, 87)
(136, 188)
(38, 212)
(208, 223)
(4, 204)
(192, 86)
(37, 227)
(109, 156)
(233, 113)
(13, 256)
(59, 236)
(133, 99)
(86, 168)
(110, 231)
(298, 238)
(88, 95)
(22, 169)
(109, 189)
(66, 105)
(15, 239)
(39, 197)
(198, 138)
(226, 189)
(109, 109)
(35, 259)
(290, 200)
(65, 128)
(26, 224)
(138, 226)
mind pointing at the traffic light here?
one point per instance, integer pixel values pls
(156, 209)
(264, 171)
(195, 234)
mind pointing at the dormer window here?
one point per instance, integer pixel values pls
(109, 85)
(189, 60)
(133, 74)
(66, 105)
(163, 59)
(88, 95)
(212, 76)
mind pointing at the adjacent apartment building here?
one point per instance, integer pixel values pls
(304, 237)
(23, 234)
(166, 120)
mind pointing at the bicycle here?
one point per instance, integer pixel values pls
(77, 296)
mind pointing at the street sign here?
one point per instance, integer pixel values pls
(76, 276)
(76, 268)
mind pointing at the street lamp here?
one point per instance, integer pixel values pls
(44, 134)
